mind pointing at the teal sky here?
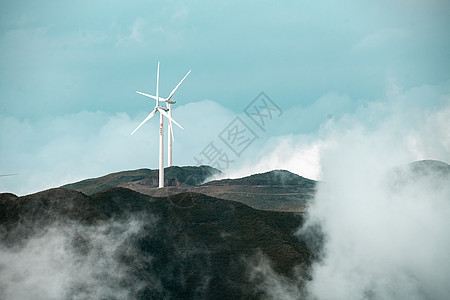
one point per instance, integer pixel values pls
(67, 56)
(84, 60)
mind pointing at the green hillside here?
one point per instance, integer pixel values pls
(174, 176)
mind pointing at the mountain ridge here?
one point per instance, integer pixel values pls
(174, 176)
(194, 245)
(276, 190)
(271, 178)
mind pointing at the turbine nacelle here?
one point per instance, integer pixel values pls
(162, 107)
(170, 101)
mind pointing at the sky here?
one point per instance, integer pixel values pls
(69, 72)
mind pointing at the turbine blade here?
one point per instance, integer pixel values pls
(175, 89)
(168, 117)
(157, 86)
(171, 130)
(146, 119)
(147, 95)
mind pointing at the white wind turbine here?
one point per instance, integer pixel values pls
(162, 112)
(169, 101)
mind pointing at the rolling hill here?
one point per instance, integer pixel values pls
(276, 190)
(174, 176)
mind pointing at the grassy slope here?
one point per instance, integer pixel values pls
(276, 190)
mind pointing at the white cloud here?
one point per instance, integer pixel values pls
(293, 153)
(53, 151)
(386, 234)
(56, 265)
(385, 238)
(271, 284)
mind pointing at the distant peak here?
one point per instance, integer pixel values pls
(274, 177)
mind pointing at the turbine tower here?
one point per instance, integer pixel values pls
(162, 112)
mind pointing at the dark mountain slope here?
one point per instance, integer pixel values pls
(427, 167)
(187, 245)
(21, 217)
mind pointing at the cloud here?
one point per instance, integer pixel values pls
(412, 121)
(56, 150)
(53, 151)
(63, 59)
(432, 140)
(269, 284)
(386, 232)
(385, 239)
(73, 261)
(294, 153)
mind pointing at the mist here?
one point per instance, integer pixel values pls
(384, 223)
(386, 232)
(72, 261)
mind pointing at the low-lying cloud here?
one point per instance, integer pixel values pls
(387, 235)
(412, 122)
(385, 223)
(54, 151)
(72, 262)
(268, 283)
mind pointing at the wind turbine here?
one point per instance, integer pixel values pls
(162, 112)
(169, 101)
